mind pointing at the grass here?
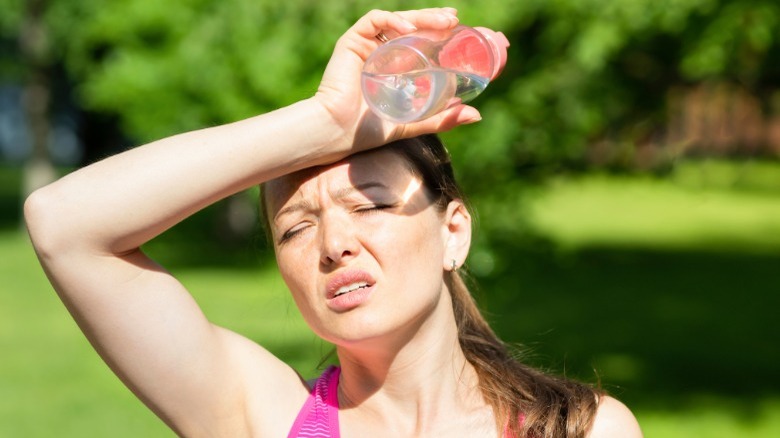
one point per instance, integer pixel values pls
(701, 206)
(667, 287)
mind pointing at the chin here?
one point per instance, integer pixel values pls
(372, 334)
(354, 332)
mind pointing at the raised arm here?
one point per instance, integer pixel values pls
(87, 229)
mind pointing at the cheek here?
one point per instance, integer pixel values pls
(414, 242)
(297, 273)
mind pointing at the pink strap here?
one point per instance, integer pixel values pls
(319, 416)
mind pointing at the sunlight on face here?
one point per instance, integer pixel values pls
(411, 189)
(378, 178)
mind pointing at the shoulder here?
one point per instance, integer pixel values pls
(271, 391)
(614, 419)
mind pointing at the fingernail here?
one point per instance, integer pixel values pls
(471, 114)
(474, 119)
(448, 17)
(409, 25)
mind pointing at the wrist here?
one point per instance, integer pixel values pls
(332, 139)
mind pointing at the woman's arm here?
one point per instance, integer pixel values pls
(87, 229)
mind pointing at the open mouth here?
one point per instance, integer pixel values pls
(350, 288)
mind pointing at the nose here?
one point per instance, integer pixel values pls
(338, 241)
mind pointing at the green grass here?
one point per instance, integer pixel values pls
(708, 418)
(703, 205)
(667, 287)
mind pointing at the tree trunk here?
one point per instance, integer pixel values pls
(35, 51)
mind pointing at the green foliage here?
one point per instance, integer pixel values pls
(579, 70)
(166, 69)
(10, 19)
(10, 23)
(734, 43)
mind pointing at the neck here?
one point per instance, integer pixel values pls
(421, 375)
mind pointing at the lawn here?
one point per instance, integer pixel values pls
(667, 288)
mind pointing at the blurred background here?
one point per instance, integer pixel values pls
(625, 179)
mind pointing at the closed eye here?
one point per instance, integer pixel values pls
(366, 209)
(362, 210)
(291, 233)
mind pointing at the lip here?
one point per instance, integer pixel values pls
(350, 300)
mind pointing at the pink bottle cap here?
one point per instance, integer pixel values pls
(499, 43)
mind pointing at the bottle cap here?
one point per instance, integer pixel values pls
(498, 43)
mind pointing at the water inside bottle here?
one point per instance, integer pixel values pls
(419, 94)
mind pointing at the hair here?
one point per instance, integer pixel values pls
(526, 401)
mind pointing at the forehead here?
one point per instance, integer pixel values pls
(378, 165)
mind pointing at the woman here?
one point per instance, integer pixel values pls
(368, 241)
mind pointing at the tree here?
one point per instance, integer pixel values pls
(34, 52)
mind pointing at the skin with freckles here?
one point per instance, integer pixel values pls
(363, 222)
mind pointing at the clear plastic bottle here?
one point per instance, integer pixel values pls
(417, 75)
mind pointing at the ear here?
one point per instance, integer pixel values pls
(457, 235)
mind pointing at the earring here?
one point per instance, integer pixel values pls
(454, 265)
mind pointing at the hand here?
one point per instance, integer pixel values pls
(340, 92)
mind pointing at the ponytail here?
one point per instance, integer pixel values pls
(526, 402)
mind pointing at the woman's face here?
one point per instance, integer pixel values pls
(361, 245)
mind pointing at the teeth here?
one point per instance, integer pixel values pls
(351, 287)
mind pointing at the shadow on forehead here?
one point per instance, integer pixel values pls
(278, 191)
(367, 172)
(424, 156)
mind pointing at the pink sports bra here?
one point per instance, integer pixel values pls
(319, 416)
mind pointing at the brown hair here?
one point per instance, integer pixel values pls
(528, 402)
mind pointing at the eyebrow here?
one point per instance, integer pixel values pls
(298, 206)
(338, 194)
(346, 191)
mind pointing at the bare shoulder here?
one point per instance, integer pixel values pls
(273, 391)
(614, 419)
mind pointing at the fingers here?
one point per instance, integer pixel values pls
(434, 18)
(377, 21)
(361, 39)
(394, 24)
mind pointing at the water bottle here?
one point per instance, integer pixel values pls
(417, 75)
